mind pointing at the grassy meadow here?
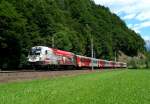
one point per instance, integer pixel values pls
(106, 87)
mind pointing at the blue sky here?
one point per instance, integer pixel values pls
(135, 13)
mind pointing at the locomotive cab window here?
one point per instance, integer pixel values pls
(46, 52)
(35, 51)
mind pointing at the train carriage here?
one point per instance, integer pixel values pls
(95, 63)
(83, 61)
(112, 64)
(101, 63)
(107, 64)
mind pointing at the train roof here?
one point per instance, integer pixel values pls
(42, 47)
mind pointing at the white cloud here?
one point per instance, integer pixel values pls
(128, 17)
(141, 25)
(130, 25)
(144, 24)
(111, 2)
(143, 16)
(137, 27)
(139, 9)
(146, 37)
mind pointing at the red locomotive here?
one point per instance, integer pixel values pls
(45, 56)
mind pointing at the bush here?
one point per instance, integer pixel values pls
(136, 63)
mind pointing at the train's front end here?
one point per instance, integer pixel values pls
(35, 55)
(38, 55)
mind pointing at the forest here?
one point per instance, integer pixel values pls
(71, 23)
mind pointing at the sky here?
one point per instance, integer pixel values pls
(135, 13)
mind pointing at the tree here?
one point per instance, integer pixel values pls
(12, 28)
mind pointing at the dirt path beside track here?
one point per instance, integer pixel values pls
(17, 76)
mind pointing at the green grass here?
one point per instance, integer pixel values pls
(108, 87)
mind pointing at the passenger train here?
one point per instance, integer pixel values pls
(45, 56)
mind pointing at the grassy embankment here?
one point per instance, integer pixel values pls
(107, 87)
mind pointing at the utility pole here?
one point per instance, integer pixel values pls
(53, 42)
(115, 56)
(92, 52)
(89, 31)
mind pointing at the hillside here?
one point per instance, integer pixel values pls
(72, 24)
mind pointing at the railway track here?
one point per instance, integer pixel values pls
(15, 76)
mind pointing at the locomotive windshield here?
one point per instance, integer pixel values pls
(35, 51)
